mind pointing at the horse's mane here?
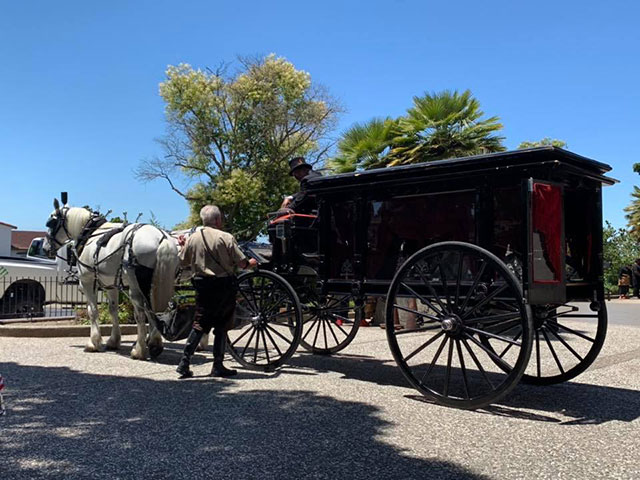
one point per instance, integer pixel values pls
(77, 218)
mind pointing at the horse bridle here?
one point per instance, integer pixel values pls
(54, 224)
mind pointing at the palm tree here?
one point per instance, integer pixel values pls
(444, 125)
(364, 145)
(633, 214)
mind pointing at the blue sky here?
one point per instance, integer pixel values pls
(79, 104)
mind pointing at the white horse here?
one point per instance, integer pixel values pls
(140, 257)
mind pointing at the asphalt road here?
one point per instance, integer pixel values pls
(77, 415)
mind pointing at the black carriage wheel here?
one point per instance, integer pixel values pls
(268, 321)
(565, 342)
(454, 296)
(331, 323)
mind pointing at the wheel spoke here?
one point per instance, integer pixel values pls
(262, 289)
(422, 299)
(500, 318)
(255, 349)
(243, 334)
(315, 338)
(264, 342)
(332, 332)
(447, 376)
(443, 280)
(269, 327)
(491, 335)
(464, 370)
(581, 335)
(508, 347)
(253, 308)
(244, 350)
(435, 358)
(504, 365)
(432, 291)
(324, 333)
(553, 351)
(476, 281)
(568, 347)
(507, 326)
(423, 346)
(477, 362)
(485, 300)
(405, 309)
(310, 328)
(419, 329)
(281, 314)
(340, 327)
(458, 280)
(266, 331)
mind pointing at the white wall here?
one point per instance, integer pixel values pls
(5, 241)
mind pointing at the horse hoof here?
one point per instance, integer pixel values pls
(136, 355)
(91, 348)
(113, 346)
(155, 350)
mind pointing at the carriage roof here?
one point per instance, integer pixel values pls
(502, 163)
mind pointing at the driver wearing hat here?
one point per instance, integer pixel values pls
(300, 202)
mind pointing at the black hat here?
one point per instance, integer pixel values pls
(297, 162)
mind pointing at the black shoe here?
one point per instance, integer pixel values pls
(184, 372)
(222, 371)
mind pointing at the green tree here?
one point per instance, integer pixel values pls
(619, 249)
(230, 137)
(633, 214)
(546, 141)
(444, 125)
(364, 145)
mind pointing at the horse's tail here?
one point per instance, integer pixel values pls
(163, 282)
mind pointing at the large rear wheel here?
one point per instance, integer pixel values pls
(458, 306)
(567, 339)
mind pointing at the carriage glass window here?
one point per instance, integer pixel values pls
(401, 225)
(546, 233)
(508, 228)
(342, 240)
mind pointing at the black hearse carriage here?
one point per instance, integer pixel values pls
(491, 267)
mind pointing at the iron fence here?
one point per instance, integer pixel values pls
(41, 297)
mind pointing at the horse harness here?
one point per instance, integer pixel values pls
(88, 233)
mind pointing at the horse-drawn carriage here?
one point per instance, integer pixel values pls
(491, 267)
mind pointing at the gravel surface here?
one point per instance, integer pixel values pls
(78, 415)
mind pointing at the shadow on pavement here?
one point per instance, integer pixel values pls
(62, 423)
(580, 402)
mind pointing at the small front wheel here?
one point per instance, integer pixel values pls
(331, 323)
(268, 321)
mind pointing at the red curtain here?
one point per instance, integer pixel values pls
(547, 220)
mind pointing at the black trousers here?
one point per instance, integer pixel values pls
(215, 303)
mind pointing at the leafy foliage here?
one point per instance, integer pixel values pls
(633, 214)
(439, 125)
(125, 313)
(546, 141)
(620, 249)
(231, 136)
(364, 145)
(444, 125)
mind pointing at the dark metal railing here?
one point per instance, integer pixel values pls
(41, 297)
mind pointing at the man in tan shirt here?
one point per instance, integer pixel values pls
(213, 256)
